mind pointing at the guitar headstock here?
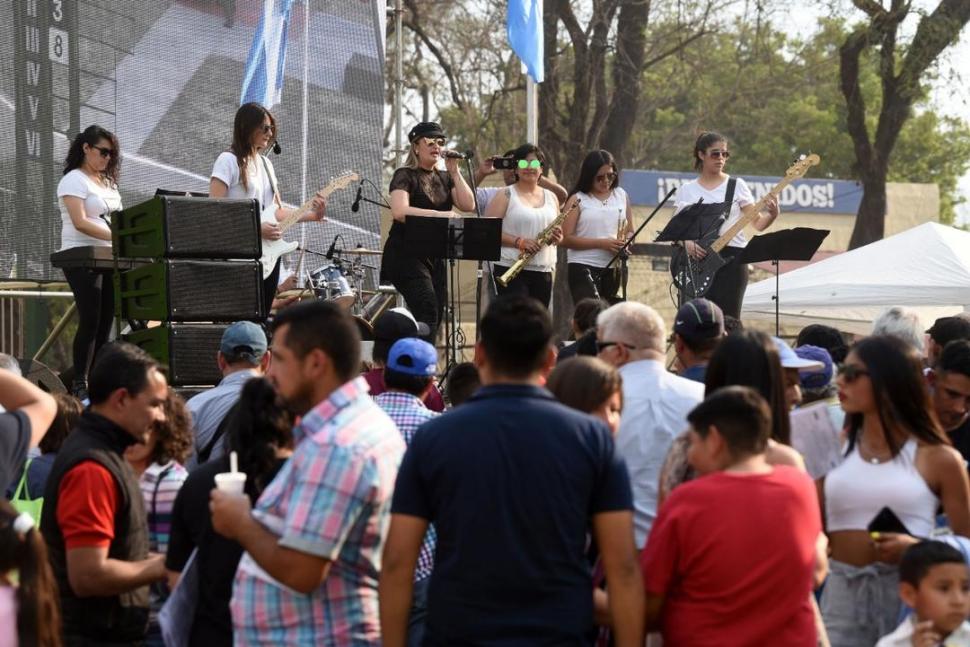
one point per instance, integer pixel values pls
(342, 181)
(801, 166)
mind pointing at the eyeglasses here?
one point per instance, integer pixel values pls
(534, 164)
(603, 345)
(267, 128)
(105, 152)
(716, 154)
(436, 141)
(609, 177)
(851, 372)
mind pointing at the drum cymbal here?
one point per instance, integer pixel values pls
(360, 251)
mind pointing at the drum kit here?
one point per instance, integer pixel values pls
(342, 281)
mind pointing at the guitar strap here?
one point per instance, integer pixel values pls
(276, 191)
(729, 198)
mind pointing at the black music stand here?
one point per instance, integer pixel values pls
(691, 223)
(471, 239)
(798, 244)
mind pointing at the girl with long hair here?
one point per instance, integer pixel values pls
(87, 194)
(897, 457)
(597, 229)
(29, 613)
(420, 188)
(245, 172)
(526, 209)
(710, 189)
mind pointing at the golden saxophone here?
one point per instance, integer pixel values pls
(543, 239)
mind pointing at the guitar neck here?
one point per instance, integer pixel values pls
(295, 215)
(747, 218)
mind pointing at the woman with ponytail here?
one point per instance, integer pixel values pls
(29, 613)
(260, 432)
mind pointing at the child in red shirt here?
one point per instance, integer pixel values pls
(731, 556)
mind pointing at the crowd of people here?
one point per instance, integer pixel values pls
(643, 485)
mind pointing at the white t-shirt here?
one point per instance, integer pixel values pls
(597, 219)
(526, 221)
(692, 191)
(226, 169)
(484, 195)
(98, 199)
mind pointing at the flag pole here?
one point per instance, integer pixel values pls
(531, 111)
(306, 58)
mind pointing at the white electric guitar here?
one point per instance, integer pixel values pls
(274, 249)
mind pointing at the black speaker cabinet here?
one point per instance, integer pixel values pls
(181, 290)
(168, 226)
(189, 351)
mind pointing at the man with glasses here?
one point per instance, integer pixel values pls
(631, 337)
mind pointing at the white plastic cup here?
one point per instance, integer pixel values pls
(231, 482)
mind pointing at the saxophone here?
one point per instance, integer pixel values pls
(543, 239)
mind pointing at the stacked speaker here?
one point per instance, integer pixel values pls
(201, 272)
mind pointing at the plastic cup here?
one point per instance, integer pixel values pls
(231, 482)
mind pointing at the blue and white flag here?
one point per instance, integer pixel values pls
(525, 35)
(263, 81)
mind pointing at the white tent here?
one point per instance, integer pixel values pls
(926, 268)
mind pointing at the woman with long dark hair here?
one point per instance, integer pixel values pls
(526, 210)
(87, 194)
(711, 189)
(420, 188)
(260, 432)
(898, 458)
(245, 172)
(597, 229)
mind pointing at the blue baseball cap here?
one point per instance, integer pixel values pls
(244, 340)
(790, 360)
(816, 379)
(413, 356)
(699, 319)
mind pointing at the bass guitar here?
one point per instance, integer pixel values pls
(695, 276)
(274, 249)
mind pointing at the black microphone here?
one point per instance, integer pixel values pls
(355, 207)
(467, 155)
(332, 247)
(277, 149)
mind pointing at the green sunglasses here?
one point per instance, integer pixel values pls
(524, 164)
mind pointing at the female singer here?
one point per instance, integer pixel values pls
(527, 209)
(243, 172)
(419, 188)
(87, 193)
(597, 229)
(710, 157)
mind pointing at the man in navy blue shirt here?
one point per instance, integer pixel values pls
(512, 481)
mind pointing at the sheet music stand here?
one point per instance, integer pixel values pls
(476, 239)
(798, 244)
(691, 223)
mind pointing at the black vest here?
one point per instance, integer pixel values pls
(115, 619)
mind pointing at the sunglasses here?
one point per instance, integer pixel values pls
(105, 152)
(267, 128)
(716, 154)
(851, 372)
(436, 141)
(534, 164)
(608, 177)
(603, 345)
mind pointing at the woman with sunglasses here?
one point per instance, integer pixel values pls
(87, 194)
(243, 172)
(896, 457)
(597, 229)
(710, 188)
(526, 209)
(420, 188)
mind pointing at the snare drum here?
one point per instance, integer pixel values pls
(329, 283)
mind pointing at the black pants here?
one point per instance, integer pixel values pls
(270, 285)
(95, 299)
(727, 289)
(423, 283)
(591, 282)
(537, 285)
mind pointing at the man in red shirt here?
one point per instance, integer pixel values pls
(731, 557)
(93, 519)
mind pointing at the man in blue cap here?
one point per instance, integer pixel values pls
(698, 328)
(408, 378)
(242, 356)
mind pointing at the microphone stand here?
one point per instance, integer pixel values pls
(624, 252)
(479, 277)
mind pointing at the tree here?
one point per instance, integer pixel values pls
(901, 74)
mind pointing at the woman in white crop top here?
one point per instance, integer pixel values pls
(896, 457)
(597, 229)
(527, 209)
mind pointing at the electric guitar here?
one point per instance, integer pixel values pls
(274, 249)
(696, 278)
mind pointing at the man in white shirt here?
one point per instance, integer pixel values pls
(631, 336)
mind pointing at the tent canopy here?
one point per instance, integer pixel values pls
(926, 268)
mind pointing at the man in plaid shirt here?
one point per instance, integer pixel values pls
(409, 376)
(313, 542)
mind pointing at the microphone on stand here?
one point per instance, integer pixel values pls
(333, 246)
(277, 149)
(355, 207)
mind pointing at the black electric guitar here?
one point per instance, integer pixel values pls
(696, 279)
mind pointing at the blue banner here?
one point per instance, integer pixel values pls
(647, 188)
(525, 35)
(263, 81)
